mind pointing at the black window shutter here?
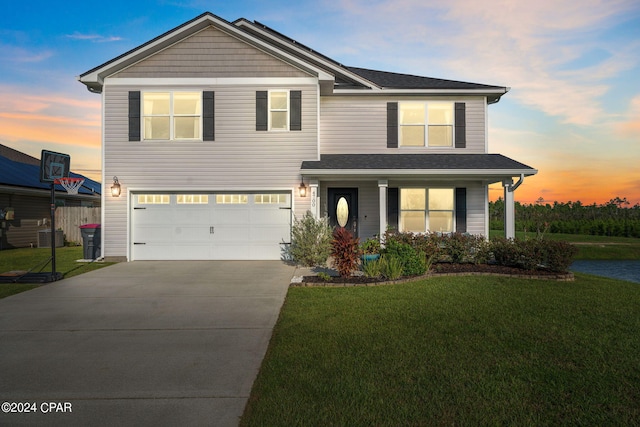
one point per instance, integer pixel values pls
(208, 116)
(295, 103)
(461, 210)
(393, 207)
(392, 125)
(262, 114)
(461, 125)
(134, 116)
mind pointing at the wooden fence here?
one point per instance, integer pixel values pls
(70, 218)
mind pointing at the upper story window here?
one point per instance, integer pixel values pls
(279, 110)
(423, 209)
(172, 115)
(424, 124)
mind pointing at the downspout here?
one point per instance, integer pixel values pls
(515, 186)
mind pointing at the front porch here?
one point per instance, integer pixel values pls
(422, 192)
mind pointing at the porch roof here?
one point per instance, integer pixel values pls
(487, 167)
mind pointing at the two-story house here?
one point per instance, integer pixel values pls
(219, 133)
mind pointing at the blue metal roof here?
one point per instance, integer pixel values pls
(25, 175)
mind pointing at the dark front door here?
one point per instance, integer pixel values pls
(343, 208)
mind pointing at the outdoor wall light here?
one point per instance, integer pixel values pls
(302, 190)
(115, 188)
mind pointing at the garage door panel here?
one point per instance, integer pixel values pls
(152, 233)
(268, 233)
(193, 233)
(244, 227)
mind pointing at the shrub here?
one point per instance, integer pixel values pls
(505, 251)
(372, 268)
(371, 246)
(559, 255)
(413, 261)
(324, 277)
(390, 267)
(534, 253)
(345, 251)
(461, 248)
(310, 241)
(430, 244)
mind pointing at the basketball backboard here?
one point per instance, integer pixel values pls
(53, 165)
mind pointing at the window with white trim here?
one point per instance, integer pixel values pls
(425, 124)
(427, 209)
(172, 115)
(278, 110)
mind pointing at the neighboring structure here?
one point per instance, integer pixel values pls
(25, 202)
(211, 127)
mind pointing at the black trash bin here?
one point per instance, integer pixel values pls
(90, 240)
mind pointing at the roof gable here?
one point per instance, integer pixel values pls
(94, 78)
(211, 53)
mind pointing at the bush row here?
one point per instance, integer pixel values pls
(313, 241)
(529, 254)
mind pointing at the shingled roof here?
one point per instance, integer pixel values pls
(417, 162)
(391, 80)
(14, 173)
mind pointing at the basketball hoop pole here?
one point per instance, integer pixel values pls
(53, 231)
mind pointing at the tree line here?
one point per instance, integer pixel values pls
(614, 218)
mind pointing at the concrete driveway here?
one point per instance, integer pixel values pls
(140, 343)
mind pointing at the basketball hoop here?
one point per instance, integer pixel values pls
(71, 185)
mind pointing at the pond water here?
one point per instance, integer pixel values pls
(622, 269)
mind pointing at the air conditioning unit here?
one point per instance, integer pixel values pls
(44, 238)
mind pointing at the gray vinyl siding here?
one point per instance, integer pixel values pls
(358, 124)
(240, 159)
(475, 207)
(211, 53)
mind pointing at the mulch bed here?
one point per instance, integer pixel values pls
(441, 269)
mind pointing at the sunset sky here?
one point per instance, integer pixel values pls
(573, 67)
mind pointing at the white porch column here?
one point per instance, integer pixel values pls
(383, 184)
(315, 199)
(509, 209)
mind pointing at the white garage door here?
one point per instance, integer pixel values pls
(213, 226)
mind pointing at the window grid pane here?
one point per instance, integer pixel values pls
(156, 103)
(187, 103)
(440, 136)
(413, 221)
(441, 199)
(412, 114)
(441, 221)
(269, 199)
(153, 199)
(440, 113)
(193, 199)
(232, 199)
(187, 127)
(412, 198)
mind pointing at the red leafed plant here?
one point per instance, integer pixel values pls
(345, 250)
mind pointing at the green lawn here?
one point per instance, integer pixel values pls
(591, 247)
(34, 260)
(454, 351)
